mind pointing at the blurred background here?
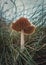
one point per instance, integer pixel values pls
(35, 45)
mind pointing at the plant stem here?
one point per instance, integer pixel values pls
(22, 39)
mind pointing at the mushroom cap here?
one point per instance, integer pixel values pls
(23, 24)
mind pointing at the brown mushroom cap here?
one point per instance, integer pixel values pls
(23, 24)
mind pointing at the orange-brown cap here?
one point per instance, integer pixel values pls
(23, 24)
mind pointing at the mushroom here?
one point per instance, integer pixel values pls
(25, 27)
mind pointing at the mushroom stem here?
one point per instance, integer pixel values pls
(22, 39)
